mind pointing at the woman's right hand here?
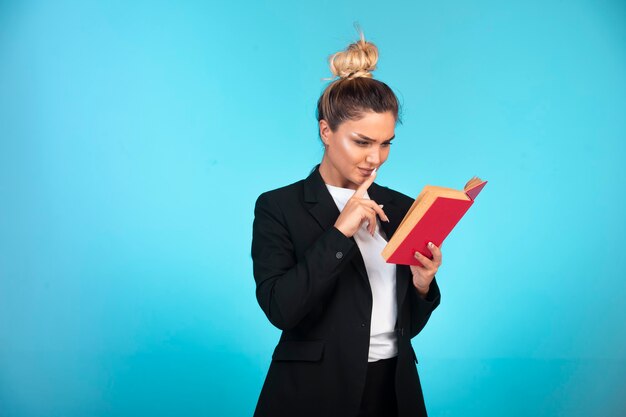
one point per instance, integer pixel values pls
(359, 209)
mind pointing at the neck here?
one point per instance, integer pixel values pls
(332, 176)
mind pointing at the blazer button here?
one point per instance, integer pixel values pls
(339, 255)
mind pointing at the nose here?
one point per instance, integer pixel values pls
(373, 157)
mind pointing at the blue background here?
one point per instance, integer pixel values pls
(136, 136)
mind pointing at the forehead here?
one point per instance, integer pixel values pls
(379, 126)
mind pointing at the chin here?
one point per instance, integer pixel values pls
(360, 180)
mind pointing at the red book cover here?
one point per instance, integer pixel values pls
(434, 225)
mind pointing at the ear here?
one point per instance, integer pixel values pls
(324, 131)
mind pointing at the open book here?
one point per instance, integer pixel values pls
(431, 218)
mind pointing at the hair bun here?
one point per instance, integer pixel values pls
(357, 60)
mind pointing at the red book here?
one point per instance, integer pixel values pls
(431, 218)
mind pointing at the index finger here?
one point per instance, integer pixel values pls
(360, 191)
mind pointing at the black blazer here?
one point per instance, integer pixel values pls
(311, 282)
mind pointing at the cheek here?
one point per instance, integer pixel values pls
(348, 151)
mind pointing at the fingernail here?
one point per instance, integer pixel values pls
(430, 244)
(381, 205)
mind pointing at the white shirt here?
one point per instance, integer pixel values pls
(382, 278)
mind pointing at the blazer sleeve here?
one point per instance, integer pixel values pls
(288, 289)
(421, 308)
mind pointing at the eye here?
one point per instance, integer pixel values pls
(361, 142)
(387, 144)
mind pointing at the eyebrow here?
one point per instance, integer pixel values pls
(370, 139)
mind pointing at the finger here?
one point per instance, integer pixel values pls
(377, 208)
(369, 214)
(372, 222)
(436, 253)
(428, 264)
(360, 191)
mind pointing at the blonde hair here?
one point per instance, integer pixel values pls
(358, 60)
(355, 91)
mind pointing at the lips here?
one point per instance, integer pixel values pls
(366, 171)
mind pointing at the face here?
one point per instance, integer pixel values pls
(356, 148)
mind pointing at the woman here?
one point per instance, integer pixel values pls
(347, 317)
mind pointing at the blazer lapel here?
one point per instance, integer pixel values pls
(320, 203)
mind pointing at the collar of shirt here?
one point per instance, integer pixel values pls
(342, 195)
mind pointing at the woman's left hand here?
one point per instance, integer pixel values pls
(423, 275)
